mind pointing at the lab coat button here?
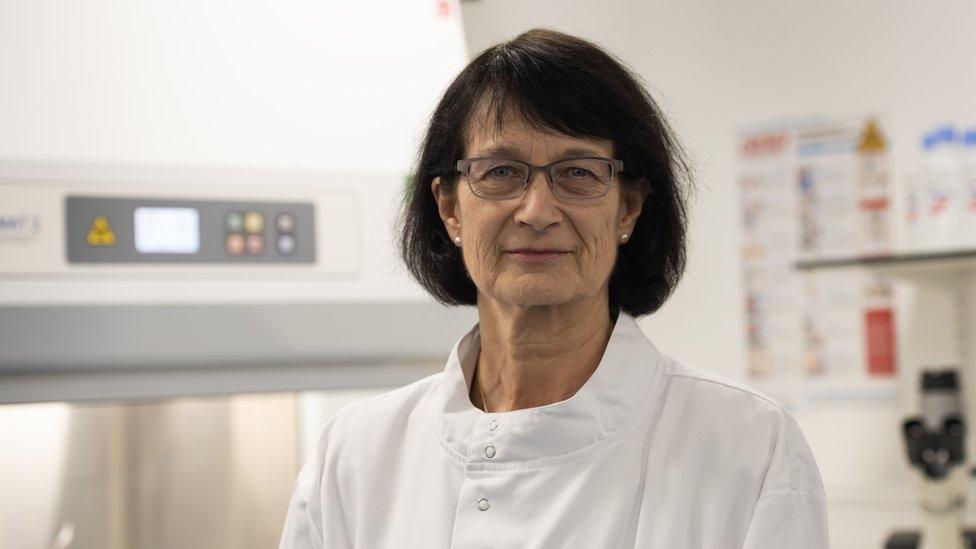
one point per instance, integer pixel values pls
(483, 504)
(492, 425)
(490, 451)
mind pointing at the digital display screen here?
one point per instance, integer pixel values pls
(167, 230)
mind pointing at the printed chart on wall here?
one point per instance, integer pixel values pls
(810, 190)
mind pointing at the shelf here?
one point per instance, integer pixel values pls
(948, 259)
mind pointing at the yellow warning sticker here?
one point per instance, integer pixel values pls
(871, 139)
(100, 232)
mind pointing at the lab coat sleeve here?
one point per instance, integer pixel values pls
(316, 518)
(788, 518)
(792, 507)
(303, 528)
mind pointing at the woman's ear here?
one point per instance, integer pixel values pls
(632, 200)
(446, 207)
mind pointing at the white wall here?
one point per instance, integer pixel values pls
(292, 84)
(715, 65)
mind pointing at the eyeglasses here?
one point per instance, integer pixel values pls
(574, 178)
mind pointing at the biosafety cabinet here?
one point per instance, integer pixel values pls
(197, 255)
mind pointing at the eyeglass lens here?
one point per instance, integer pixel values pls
(573, 178)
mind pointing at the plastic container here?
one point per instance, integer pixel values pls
(940, 192)
(967, 224)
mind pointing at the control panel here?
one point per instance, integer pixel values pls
(152, 230)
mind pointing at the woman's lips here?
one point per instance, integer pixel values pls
(536, 256)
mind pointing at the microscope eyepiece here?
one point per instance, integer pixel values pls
(940, 380)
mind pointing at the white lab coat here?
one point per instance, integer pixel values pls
(649, 453)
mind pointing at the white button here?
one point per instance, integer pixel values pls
(483, 504)
(490, 451)
(286, 223)
(286, 244)
(492, 425)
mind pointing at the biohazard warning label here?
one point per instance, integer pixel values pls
(100, 232)
(871, 140)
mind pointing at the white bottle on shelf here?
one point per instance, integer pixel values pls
(940, 190)
(967, 224)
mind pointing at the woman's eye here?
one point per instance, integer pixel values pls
(579, 172)
(501, 171)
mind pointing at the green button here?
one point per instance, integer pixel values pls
(235, 222)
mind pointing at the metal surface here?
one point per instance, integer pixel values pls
(115, 352)
(188, 473)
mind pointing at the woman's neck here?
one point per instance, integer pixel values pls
(533, 356)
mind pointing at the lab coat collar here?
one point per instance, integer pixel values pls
(602, 408)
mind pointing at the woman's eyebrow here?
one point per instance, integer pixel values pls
(509, 152)
(500, 151)
(574, 151)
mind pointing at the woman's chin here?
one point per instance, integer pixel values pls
(535, 294)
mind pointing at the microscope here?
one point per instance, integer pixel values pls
(935, 444)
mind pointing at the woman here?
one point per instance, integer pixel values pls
(549, 195)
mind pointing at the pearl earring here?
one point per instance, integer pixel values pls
(623, 237)
(457, 240)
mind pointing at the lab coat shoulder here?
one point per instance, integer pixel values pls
(360, 423)
(752, 423)
(347, 443)
(762, 449)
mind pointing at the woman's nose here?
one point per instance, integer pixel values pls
(538, 206)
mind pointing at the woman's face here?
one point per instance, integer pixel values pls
(496, 235)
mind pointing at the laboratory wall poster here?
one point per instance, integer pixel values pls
(816, 189)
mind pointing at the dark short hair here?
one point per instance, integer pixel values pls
(556, 83)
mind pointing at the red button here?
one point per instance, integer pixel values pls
(255, 244)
